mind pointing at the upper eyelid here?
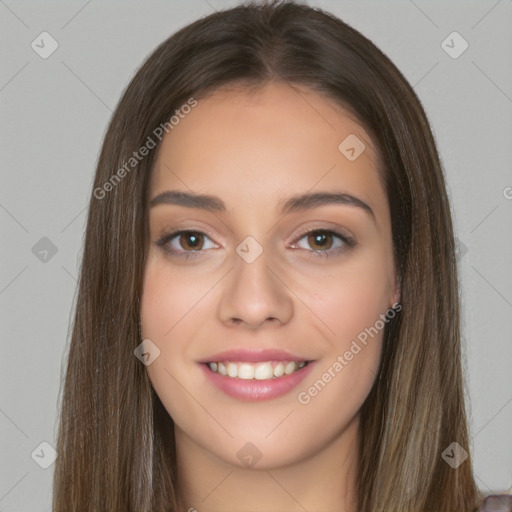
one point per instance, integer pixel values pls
(339, 232)
(166, 238)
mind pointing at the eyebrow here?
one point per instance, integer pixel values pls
(294, 204)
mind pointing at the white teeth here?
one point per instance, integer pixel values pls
(289, 368)
(246, 371)
(232, 370)
(263, 371)
(279, 370)
(259, 371)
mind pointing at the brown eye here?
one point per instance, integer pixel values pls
(186, 243)
(324, 243)
(191, 240)
(320, 240)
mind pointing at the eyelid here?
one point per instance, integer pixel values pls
(338, 231)
(348, 241)
(164, 240)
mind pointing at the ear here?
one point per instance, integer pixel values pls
(397, 294)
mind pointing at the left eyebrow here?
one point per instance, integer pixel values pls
(313, 200)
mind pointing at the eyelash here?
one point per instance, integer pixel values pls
(348, 243)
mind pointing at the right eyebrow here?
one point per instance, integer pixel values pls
(189, 199)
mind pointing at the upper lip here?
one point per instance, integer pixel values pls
(254, 356)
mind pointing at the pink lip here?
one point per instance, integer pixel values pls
(255, 390)
(253, 356)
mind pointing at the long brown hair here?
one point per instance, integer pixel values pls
(115, 441)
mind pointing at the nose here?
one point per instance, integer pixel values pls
(253, 295)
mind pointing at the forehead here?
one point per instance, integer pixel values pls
(271, 142)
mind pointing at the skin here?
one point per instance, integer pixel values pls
(253, 150)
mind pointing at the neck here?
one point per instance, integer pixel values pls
(325, 481)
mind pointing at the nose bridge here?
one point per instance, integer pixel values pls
(254, 294)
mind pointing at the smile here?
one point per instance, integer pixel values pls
(264, 370)
(250, 381)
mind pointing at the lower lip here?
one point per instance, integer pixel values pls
(253, 390)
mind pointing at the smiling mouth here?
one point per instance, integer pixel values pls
(263, 370)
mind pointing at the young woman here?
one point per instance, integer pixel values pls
(268, 314)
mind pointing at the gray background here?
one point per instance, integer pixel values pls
(54, 114)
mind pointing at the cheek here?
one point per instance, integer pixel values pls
(169, 302)
(350, 302)
(349, 299)
(169, 296)
(356, 305)
(350, 306)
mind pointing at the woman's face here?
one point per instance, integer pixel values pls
(266, 279)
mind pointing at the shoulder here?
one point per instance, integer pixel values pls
(496, 503)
